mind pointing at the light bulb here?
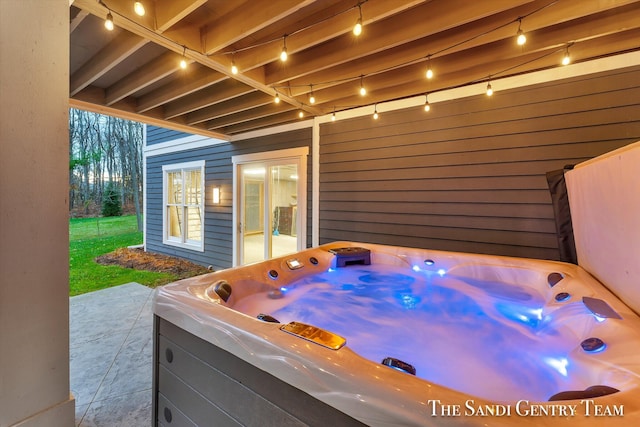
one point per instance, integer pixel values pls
(301, 114)
(333, 117)
(138, 8)
(429, 73)
(489, 89)
(183, 63)
(375, 115)
(277, 99)
(521, 39)
(427, 107)
(312, 99)
(566, 60)
(357, 29)
(283, 54)
(108, 23)
(234, 68)
(363, 91)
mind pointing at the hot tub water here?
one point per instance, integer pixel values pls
(451, 328)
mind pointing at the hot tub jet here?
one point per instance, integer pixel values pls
(399, 365)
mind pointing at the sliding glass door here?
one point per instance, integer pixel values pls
(268, 212)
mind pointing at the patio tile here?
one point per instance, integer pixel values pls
(111, 356)
(128, 410)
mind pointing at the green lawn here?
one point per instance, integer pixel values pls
(91, 237)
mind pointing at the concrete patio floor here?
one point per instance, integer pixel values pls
(111, 356)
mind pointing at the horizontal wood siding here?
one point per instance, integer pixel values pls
(156, 135)
(469, 175)
(218, 243)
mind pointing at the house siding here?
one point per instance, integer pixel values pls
(218, 233)
(157, 135)
(469, 175)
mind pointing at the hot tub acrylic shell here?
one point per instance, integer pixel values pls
(379, 396)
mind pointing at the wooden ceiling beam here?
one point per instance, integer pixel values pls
(539, 39)
(265, 122)
(340, 24)
(399, 86)
(220, 92)
(231, 106)
(254, 80)
(86, 100)
(246, 20)
(184, 84)
(248, 115)
(119, 49)
(77, 19)
(144, 76)
(169, 12)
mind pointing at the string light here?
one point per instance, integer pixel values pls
(489, 89)
(283, 54)
(566, 59)
(375, 112)
(234, 67)
(521, 39)
(357, 29)
(138, 8)
(312, 99)
(429, 73)
(183, 61)
(427, 107)
(108, 23)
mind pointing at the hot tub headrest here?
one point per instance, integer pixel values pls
(587, 393)
(351, 255)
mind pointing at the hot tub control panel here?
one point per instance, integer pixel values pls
(294, 264)
(315, 334)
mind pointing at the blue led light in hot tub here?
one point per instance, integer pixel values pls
(559, 364)
(442, 272)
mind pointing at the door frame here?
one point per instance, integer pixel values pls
(294, 155)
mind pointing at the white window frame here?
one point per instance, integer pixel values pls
(183, 242)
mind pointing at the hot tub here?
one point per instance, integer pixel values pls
(353, 333)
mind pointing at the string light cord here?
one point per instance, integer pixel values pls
(337, 108)
(506, 70)
(491, 77)
(289, 34)
(421, 58)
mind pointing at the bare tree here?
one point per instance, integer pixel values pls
(103, 150)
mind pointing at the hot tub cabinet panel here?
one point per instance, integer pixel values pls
(474, 340)
(199, 384)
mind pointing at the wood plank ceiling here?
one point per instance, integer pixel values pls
(134, 71)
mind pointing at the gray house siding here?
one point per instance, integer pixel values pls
(218, 235)
(470, 174)
(157, 135)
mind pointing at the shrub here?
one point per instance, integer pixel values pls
(111, 203)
